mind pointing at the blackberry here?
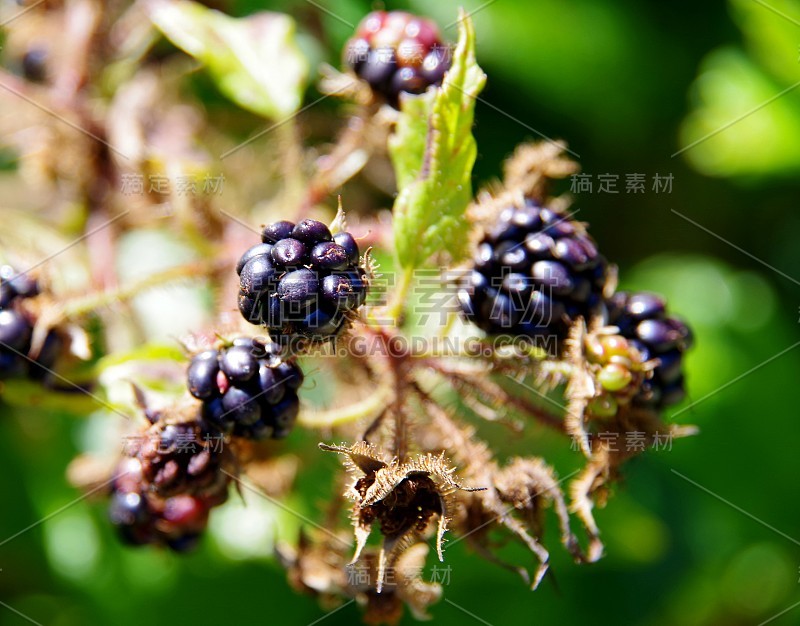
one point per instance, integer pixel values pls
(16, 330)
(180, 458)
(165, 486)
(246, 389)
(141, 518)
(534, 273)
(642, 319)
(301, 282)
(397, 52)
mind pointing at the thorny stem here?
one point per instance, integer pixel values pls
(491, 389)
(368, 408)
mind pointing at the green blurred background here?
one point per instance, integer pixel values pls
(628, 84)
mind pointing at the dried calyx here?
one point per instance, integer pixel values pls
(401, 498)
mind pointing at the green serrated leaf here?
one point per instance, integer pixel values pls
(255, 60)
(433, 152)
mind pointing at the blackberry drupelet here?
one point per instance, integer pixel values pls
(246, 389)
(535, 272)
(301, 282)
(642, 319)
(397, 52)
(16, 330)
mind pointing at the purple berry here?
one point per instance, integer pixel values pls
(202, 375)
(273, 233)
(238, 364)
(289, 253)
(311, 232)
(262, 249)
(329, 256)
(348, 242)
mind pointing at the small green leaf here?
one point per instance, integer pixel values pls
(433, 151)
(255, 60)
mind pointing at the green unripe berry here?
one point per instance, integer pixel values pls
(614, 377)
(604, 406)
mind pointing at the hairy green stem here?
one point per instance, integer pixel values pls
(87, 304)
(370, 407)
(396, 309)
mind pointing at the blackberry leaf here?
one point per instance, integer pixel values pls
(254, 61)
(433, 152)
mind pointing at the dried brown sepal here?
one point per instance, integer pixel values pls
(580, 388)
(593, 477)
(530, 485)
(518, 495)
(533, 165)
(402, 498)
(406, 586)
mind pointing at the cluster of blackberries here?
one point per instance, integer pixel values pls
(165, 486)
(301, 281)
(246, 389)
(397, 52)
(537, 271)
(16, 330)
(534, 273)
(643, 320)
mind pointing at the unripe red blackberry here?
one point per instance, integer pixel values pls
(642, 318)
(246, 389)
(301, 282)
(535, 272)
(142, 518)
(165, 486)
(16, 329)
(397, 52)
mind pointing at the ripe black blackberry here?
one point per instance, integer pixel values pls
(642, 319)
(301, 282)
(535, 273)
(16, 330)
(246, 389)
(397, 52)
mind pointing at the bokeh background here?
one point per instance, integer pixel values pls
(629, 84)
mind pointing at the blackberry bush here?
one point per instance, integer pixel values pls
(642, 318)
(535, 273)
(402, 399)
(301, 282)
(397, 52)
(246, 389)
